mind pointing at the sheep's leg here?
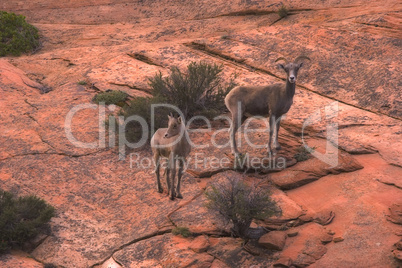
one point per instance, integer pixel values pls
(157, 171)
(278, 125)
(168, 179)
(233, 128)
(173, 175)
(179, 175)
(168, 175)
(271, 132)
(237, 121)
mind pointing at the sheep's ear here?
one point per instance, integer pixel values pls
(280, 66)
(179, 120)
(300, 64)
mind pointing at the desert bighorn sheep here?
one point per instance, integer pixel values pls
(171, 142)
(273, 101)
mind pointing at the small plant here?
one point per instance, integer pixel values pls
(199, 89)
(116, 97)
(239, 204)
(82, 82)
(303, 154)
(283, 11)
(16, 35)
(184, 231)
(142, 107)
(21, 219)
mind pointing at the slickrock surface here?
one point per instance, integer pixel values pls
(108, 210)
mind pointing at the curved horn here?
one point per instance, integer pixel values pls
(302, 57)
(282, 58)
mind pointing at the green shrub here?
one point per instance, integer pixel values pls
(184, 231)
(16, 35)
(21, 219)
(82, 82)
(239, 204)
(108, 97)
(283, 11)
(141, 106)
(199, 89)
(302, 154)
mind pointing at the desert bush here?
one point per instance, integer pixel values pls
(108, 97)
(199, 91)
(16, 35)
(283, 11)
(184, 231)
(82, 82)
(239, 204)
(302, 154)
(21, 219)
(141, 106)
(201, 88)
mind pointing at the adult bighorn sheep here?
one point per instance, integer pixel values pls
(273, 101)
(171, 142)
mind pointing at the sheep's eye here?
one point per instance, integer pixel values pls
(174, 126)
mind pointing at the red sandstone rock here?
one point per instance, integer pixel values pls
(324, 217)
(306, 247)
(199, 244)
(303, 260)
(395, 214)
(292, 233)
(311, 170)
(330, 232)
(231, 253)
(315, 250)
(110, 263)
(283, 262)
(399, 245)
(165, 250)
(103, 204)
(290, 209)
(19, 259)
(360, 201)
(218, 264)
(397, 254)
(274, 240)
(326, 238)
(338, 239)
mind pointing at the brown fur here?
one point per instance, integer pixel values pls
(272, 101)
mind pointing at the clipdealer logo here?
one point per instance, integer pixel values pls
(328, 114)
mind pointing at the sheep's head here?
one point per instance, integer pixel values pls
(174, 126)
(291, 68)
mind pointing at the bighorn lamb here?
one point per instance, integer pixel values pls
(171, 142)
(273, 101)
